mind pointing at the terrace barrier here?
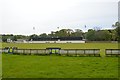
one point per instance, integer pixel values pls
(112, 52)
(68, 52)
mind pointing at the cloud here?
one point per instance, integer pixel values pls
(20, 16)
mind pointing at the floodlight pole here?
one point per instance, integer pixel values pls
(33, 30)
(85, 33)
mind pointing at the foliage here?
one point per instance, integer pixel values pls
(95, 34)
(117, 29)
(102, 35)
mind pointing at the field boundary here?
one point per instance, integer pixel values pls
(68, 52)
(112, 52)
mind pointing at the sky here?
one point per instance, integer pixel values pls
(20, 16)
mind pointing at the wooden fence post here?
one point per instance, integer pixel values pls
(84, 51)
(111, 52)
(67, 52)
(76, 52)
(94, 52)
(30, 51)
(37, 51)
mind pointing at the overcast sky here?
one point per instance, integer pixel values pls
(20, 16)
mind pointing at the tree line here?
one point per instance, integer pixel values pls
(95, 34)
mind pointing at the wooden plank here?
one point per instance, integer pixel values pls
(112, 52)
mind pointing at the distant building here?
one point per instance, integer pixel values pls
(57, 40)
(9, 40)
(20, 41)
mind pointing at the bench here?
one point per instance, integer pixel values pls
(112, 52)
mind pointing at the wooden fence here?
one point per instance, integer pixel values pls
(80, 52)
(68, 52)
(112, 52)
(31, 51)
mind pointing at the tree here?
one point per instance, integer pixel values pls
(33, 37)
(69, 32)
(61, 33)
(78, 33)
(90, 35)
(117, 29)
(97, 28)
(113, 34)
(43, 35)
(101, 35)
(5, 37)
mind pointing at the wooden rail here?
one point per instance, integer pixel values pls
(68, 52)
(112, 52)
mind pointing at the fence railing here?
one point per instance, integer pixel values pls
(82, 52)
(31, 51)
(68, 52)
(112, 52)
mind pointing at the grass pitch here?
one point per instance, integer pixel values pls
(22, 66)
(31, 66)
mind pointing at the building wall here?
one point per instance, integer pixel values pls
(55, 42)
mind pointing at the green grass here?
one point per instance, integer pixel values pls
(63, 46)
(30, 66)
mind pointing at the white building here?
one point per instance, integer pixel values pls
(9, 40)
(80, 41)
(20, 41)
